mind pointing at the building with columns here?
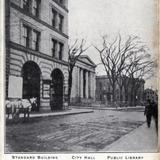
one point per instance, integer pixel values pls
(37, 51)
(83, 85)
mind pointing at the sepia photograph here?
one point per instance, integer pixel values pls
(81, 76)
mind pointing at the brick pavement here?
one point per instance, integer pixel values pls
(81, 132)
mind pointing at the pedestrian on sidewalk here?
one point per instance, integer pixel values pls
(155, 113)
(148, 112)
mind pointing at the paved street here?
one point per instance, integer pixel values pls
(84, 132)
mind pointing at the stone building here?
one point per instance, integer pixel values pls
(134, 96)
(83, 85)
(37, 51)
(103, 89)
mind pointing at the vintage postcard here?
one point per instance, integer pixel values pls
(79, 79)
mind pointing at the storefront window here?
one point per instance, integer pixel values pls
(46, 89)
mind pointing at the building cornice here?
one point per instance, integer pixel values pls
(60, 5)
(94, 66)
(35, 53)
(84, 68)
(88, 58)
(37, 19)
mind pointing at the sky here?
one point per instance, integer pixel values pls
(91, 19)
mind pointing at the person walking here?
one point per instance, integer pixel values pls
(155, 113)
(148, 112)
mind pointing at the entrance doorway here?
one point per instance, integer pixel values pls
(31, 82)
(56, 92)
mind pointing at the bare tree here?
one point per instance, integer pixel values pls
(140, 68)
(74, 52)
(120, 58)
(113, 56)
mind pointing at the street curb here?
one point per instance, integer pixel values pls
(59, 114)
(53, 114)
(115, 109)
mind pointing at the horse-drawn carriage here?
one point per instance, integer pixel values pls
(20, 106)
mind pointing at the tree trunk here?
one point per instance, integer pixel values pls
(120, 94)
(132, 94)
(69, 85)
(113, 95)
(121, 99)
(126, 96)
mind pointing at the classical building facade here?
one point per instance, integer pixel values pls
(37, 51)
(83, 85)
(134, 96)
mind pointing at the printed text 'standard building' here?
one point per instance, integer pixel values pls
(37, 51)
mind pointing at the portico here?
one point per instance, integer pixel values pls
(83, 86)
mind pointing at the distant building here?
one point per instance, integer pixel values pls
(104, 91)
(37, 51)
(83, 85)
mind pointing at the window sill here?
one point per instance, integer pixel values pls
(36, 53)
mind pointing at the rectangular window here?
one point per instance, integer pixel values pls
(35, 40)
(35, 7)
(46, 89)
(26, 5)
(61, 22)
(26, 36)
(32, 6)
(54, 44)
(61, 45)
(54, 15)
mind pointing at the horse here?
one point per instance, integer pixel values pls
(11, 107)
(26, 106)
(16, 107)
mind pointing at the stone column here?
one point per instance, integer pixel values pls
(87, 84)
(81, 83)
(77, 82)
(93, 86)
(79, 72)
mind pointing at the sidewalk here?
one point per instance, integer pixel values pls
(59, 113)
(142, 139)
(129, 108)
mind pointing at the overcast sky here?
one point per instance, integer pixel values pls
(90, 19)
